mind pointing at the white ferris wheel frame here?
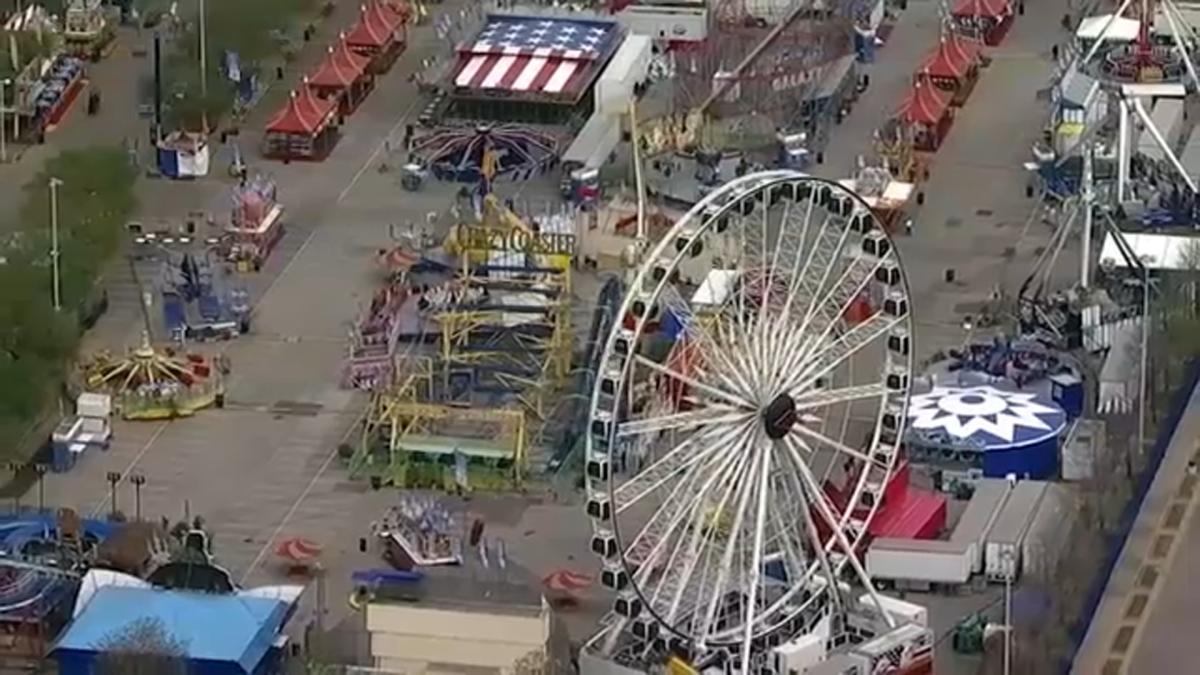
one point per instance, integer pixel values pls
(738, 199)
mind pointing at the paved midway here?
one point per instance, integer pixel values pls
(264, 467)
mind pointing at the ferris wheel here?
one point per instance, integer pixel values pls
(741, 433)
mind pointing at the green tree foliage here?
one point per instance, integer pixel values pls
(37, 343)
(251, 30)
(141, 647)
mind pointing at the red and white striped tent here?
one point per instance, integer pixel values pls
(534, 58)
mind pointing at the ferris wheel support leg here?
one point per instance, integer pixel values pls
(1156, 134)
(1122, 151)
(818, 497)
(1179, 46)
(756, 575)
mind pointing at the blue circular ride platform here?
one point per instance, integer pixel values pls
(1002, 431)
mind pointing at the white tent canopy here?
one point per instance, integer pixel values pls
(1157, 251)
(1121, 29)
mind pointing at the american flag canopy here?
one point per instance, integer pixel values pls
(533, 55)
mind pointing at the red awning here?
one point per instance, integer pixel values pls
(341, 67)
(983, 9)
(303, 114)
(924, 105)
(375, 28)
(953, 57)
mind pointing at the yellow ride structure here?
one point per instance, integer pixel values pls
(464, 412)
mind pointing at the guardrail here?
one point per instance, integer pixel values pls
(1178, 407)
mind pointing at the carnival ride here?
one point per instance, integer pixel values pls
(470, 347)
(484, 152)
(86, 29)
(42, 559)
(255, 224)
(149, 384)
(716, 422)
(200, 301)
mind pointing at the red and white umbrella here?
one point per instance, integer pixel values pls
(566, 581)
(298, 549)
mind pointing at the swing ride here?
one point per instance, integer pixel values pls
(150, 384)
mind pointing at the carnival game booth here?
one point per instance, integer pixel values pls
(256, 224)
(953, 67)
(379, 35)
(531, 69)
(304, 129)
(986, 20)
(149, 384)
(343, 77)
(45, 91)
(927, 112)
(183, 154)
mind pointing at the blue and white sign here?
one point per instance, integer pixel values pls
(985, 416)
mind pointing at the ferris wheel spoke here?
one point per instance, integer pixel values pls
(700, 536)
(708, 416)
(835, 524)
(845, 346)
(760, 521)
(715, 348)
(698, 449)
(817, 437)
(820, 398)
(717, 393)
(834, 305)
(823, 252)
(731, 548)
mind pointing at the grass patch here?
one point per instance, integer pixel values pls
(37, 344)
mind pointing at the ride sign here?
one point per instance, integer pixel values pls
(504, 239)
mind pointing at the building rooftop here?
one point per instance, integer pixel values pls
(220, 628)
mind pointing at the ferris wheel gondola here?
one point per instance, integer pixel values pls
(708, 466)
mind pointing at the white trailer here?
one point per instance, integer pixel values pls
(666, 23)
(919, 561)
(1002, 556)
(977, 520)
(900, 610)
(593, 144)
(628, 68)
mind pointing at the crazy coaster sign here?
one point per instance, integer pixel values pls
(513, 240)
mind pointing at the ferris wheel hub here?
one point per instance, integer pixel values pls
(779, 416)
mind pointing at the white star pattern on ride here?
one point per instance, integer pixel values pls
(963, 413)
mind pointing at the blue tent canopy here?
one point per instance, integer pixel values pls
(220, 633)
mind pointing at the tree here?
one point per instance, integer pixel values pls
(141, 647)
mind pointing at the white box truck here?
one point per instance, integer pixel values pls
(915, 562)
(1002, 556)
(900, 610)
(979, 516)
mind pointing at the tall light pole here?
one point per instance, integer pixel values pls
(113, 477)
(54, 252)
(3, 142)
(203, 51)
(1009, 563)
(138, 481)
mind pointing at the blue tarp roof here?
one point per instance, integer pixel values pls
(223, 628)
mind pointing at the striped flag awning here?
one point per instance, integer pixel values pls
(534, 55)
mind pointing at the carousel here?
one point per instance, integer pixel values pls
(151, 384)
(471, 154)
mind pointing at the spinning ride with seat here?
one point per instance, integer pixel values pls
(705, 469)
(485, 152)
(149, 384)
